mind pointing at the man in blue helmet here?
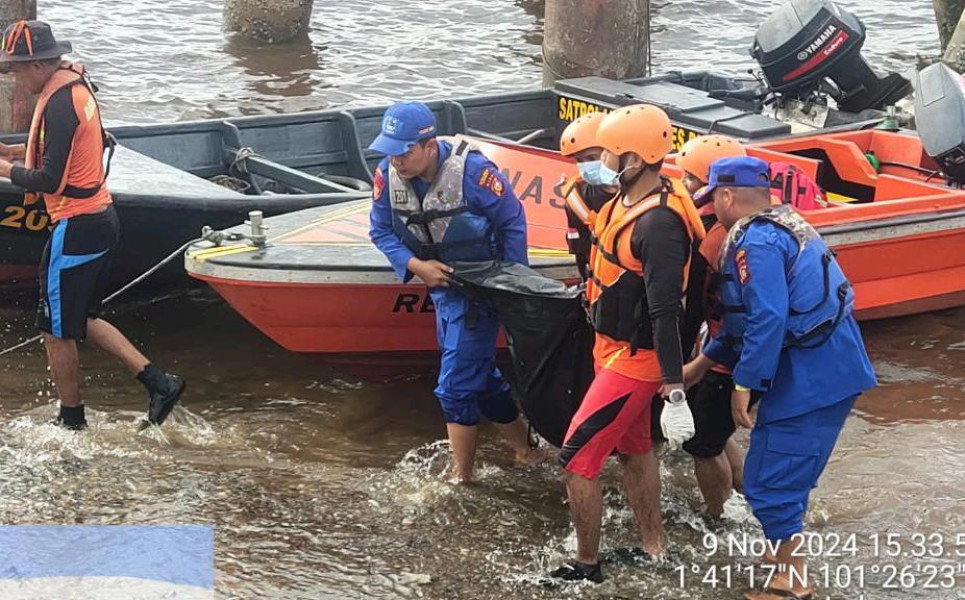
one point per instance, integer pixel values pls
(790, 336)
(436, 202)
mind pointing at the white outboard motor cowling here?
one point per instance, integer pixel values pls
(940, 118)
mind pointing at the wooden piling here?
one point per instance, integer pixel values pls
(954, 54)
(16, 105)
(608, 38)
(947, 13)
(268, 21)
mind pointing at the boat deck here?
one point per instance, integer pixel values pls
(135, 174)
(324, 245)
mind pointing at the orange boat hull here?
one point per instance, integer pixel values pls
(912, 275)
(330, 318)
(400, 318)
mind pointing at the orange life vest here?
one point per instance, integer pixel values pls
(616, 289)
(82, 188)
(574, 199)
(710, 249)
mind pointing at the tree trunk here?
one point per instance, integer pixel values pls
(954, 55)
(16, 105)
(608, 38)
(948, 13)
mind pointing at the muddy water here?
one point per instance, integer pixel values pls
(164, 60)
(323, 483)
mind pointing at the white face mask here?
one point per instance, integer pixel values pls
(590, 171)
(610, 177)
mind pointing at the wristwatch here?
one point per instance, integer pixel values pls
(677, 395)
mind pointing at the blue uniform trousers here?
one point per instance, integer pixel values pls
(784, 462)
(469, 381)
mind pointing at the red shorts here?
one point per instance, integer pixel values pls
(614, 415)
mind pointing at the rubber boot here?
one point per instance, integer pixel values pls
(164, 388)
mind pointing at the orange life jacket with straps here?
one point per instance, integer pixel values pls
(82, 188)
(583, 202)
(710, 249)
(574, 200)
(616, 291)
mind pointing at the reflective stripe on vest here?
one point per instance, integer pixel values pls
(616, 290)
(93, 191)
(440, 226)
(820, 296)
(574, 199)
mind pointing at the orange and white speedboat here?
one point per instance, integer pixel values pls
(319, 285)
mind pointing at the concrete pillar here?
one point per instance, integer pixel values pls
(16, 106)
(608, 38)
(948, 13)
(268, 21)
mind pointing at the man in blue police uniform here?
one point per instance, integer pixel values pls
(790, 335)
(436, 202)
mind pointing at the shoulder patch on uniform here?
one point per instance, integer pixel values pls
(743, 270)
(489, 179)
(378, 183)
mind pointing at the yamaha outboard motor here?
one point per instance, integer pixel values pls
(809, 46)
(940, 117)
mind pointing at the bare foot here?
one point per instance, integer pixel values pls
(656, 551)
(533, 456)
(456, 479)
(776, 594)
(780, 587)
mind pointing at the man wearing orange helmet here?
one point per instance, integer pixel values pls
(585, 194)
(640, 260)
(717, 459)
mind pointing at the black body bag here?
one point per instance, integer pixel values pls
(550, 341)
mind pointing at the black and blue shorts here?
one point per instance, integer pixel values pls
(74, 273)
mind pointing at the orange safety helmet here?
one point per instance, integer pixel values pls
(699, 153)
(581, 134)
(642, 129)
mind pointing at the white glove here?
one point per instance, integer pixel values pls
(676, 421)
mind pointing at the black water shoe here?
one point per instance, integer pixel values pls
(626, 555)
(58, 422)
(577, 571)
(165, 390)
(71, 418)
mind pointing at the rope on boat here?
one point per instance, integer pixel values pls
(240, 157)
(124, 289)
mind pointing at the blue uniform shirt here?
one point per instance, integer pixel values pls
(796, 380)
(504, 210)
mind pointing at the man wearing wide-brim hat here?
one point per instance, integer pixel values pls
(64, 165)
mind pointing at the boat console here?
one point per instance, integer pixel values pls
(694, 111)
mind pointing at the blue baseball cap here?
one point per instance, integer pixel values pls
(736, 171)
(403, 125)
